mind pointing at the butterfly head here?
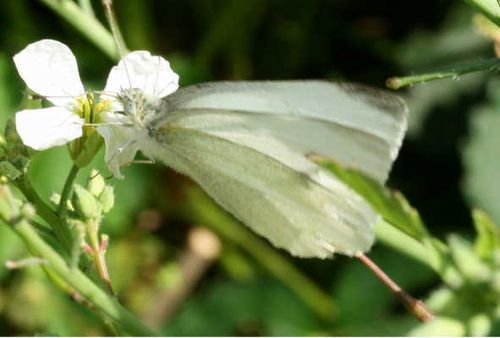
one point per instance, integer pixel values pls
(138, 106)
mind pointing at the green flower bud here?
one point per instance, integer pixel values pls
(9, 171)
(85, 203)
(96, 183)
(107, 198)
(9, 207)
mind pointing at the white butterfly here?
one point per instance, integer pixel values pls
(247, 145)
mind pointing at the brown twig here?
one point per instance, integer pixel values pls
(415, 306)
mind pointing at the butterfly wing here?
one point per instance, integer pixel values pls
(290, 208)
(251, 157)
(358, 126)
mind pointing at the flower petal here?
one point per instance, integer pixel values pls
(121, 147)
(144, 71)
(48, 127)
(49, 69)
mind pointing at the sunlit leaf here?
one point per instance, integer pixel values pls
(488, 234)
(392, 206)
(467, 261)
(441, 326)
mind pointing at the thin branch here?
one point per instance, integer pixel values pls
(400, 82)
(415, 306)
(59, 226)
(62, 208)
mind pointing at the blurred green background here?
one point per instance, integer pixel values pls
(449, 163)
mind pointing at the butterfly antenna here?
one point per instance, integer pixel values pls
(117, 35)
(35, 96)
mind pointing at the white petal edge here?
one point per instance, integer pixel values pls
(141, 70)
(121, 147)
(45, 128)
(49, 68)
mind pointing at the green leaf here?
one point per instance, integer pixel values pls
(392, 206)
(467, 261)
(480, 325)
(441, 326)
(488, 234)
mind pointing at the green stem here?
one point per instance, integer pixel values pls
(59, 226)
(81, 283)
(98, 254)
(86, 5)
(400, 82)
(211, 215)
(490, 8)
(86, 24)
(68, 185)
(430, 254)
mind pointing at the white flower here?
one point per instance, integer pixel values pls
(154, 79)
(49, 68)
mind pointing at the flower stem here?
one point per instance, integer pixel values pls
(82, 285)
(86, 5)
(98, 256)
(86, 24)
(415, 306)
(62, 207)
(400, 82)
(59, 226)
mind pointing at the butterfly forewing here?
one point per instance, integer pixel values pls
(246, 144)
(359, 126)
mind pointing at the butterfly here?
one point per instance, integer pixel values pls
(247, 145)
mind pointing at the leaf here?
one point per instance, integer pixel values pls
(441, 326)
(488, 234)
(466, 260)
(392, 206)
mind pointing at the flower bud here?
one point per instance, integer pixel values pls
(9, 171)
(9, 207)
(85, 203)
(107, 198)
(96, 183)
